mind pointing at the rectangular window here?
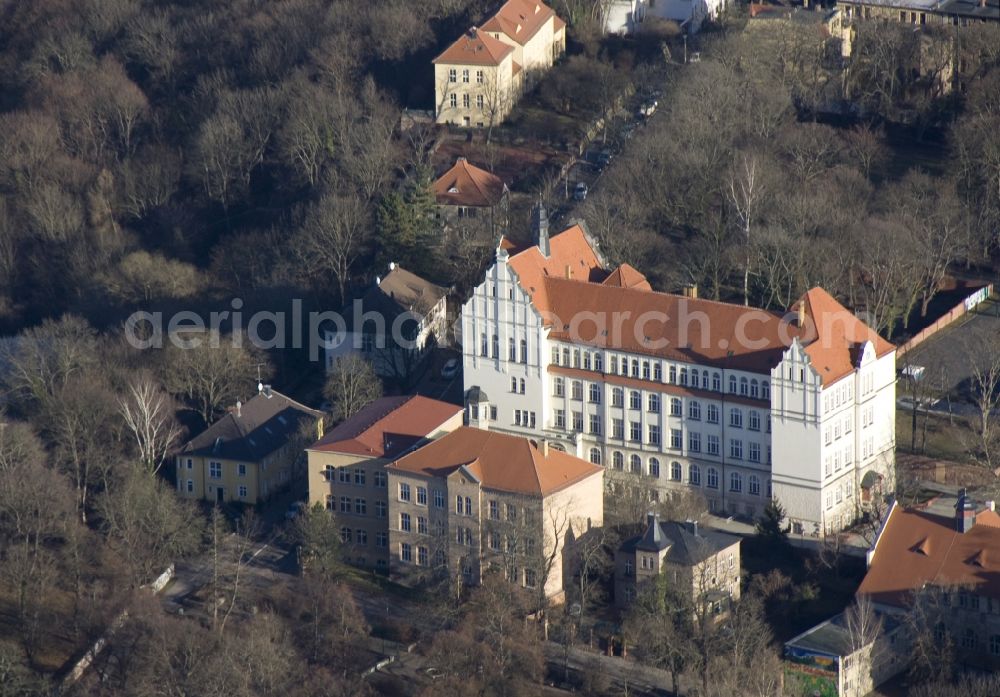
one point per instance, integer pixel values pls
(190, 486)
(617, 397)
(634, 400)
(494, 510)
(404, 492)
(243, 491)
(345, 504)
(577, 393)
(421, 496)
(361, 506)
(645, 370)
(658, 372)
(380, 509)
(653, 403)
(422, 556)
(712, 445)
(421, 525)
(406, 552)
(404, 522)
(595, 393)
(344, 475)
(634, 431)
(511, 512)
(381, 480)
(694, 442)
(438, 498)
(617, 429)
(736, 418)
(453, 101)
(578, 421)
(465, 75)
(241, 470)
(452, 75)
(559, 387)
(595, 424)
(479, 77)
(560, 418)
(466, 101)
(654, 435)
(712, 415)
(215, 470)
(736, 449)
(754, 452)
(753, 420)
(468, 506)
(382, 539)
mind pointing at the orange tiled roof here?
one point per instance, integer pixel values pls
(570, 253)
(475, 47)
(571, 282)
(467, 185)
(838, 335)
(387, 427)
(918, 548)
(558, 24)
(625, 276)
(499, 461)
(519, 19)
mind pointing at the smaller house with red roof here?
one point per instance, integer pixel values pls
(479, 78)
(476, 501)
(466, 194)
(347, 468)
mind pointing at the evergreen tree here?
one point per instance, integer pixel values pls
(769, 524)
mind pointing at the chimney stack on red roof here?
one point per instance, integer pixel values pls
(965, 512)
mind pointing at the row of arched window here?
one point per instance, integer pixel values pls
(676, 472)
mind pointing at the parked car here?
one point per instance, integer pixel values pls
(295, 510)
(648, 108)
(450, 369)
(580, 192)
(603, 159)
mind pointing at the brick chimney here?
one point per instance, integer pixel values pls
(965, 512)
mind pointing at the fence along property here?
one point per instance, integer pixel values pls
(963, 308)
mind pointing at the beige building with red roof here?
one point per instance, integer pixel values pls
(946, 557)
(476, 500)
(347, 468)
(479, 78)
(739, 403)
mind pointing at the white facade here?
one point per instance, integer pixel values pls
(694, 12)
(736, 436)
(622, 16)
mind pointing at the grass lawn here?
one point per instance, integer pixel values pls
(944, 439)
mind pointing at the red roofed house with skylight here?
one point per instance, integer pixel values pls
(467, 193)
(739, 403)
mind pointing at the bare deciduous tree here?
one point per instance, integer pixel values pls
(351, 386)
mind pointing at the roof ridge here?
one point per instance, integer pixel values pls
(465, 166)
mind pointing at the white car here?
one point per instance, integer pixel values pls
(580, 192)
(450, 369)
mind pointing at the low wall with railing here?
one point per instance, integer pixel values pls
(963, 308)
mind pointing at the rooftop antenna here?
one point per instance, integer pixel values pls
(260, 380)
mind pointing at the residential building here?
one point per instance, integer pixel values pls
(923, 12)
(347, 468)
(476, 500)
(468, 195)
(739, 403)
(623, 16)
(480, 77)
(393, 325)
(702, 565)
(842, 657)
(251, 453)
(946, 558)
(690, 14)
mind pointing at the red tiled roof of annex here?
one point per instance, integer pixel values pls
(918, 548)
(475, 47)
(499, 461)
(464, 184)
(570, 288)
(520, 19)
(388, 426)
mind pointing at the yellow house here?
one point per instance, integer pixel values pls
(249, 454)
(480, 77)
(347, 468)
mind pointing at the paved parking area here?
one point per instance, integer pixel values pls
(948, 355)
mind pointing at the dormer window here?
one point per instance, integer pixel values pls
(453, 190)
